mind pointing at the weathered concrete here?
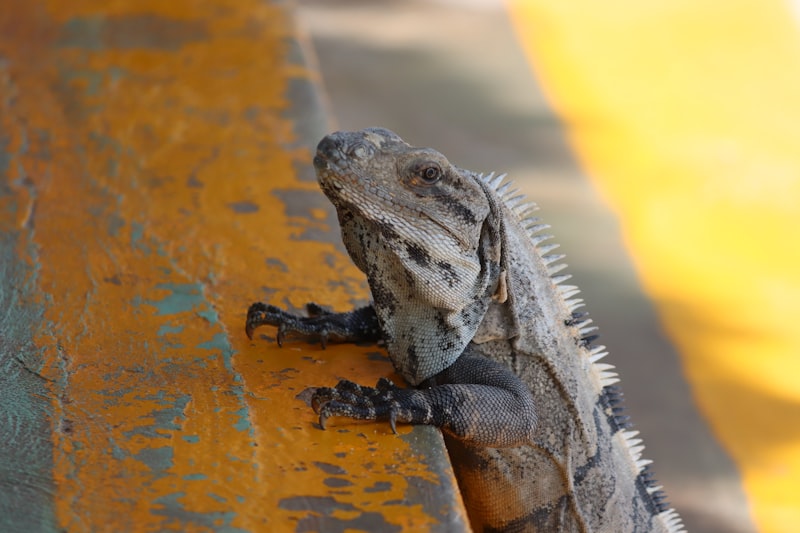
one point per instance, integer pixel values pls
(154, 180)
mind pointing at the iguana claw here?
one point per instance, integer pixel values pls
(261, 314)
(355, 326)
(351, 400)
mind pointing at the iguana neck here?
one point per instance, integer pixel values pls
(421, 339)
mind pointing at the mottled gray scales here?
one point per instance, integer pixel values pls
(468, 302)
(418, 254)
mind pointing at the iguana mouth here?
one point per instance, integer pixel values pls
(331, 164)
(326, 164)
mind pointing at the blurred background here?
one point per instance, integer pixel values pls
(660, 142)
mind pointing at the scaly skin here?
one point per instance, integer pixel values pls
(474, 316)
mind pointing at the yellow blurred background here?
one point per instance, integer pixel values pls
(686, 115)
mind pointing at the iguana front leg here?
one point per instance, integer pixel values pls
(476, 400)
(359, 325)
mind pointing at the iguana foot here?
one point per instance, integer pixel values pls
(260, 314)
(360, 325)
(357, 401)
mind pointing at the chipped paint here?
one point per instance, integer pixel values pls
(98, 32)
(155, 181)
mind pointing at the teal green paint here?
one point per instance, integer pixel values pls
(244, 421)
(166, 328)
(5, 160)
(82, 33)
(183, 297)
(137, 238)
(193, 477)
(220, 342)
(171, 507)
(90, 80)
(26, 448)
(159, 460)
(117, 452)
(115, 224)
(112, 165)
(232, 458)
(115, 74)
(166, 421)
(167, 342)
(217, 497)
(104, 142)
(209, 314)
(45, 138)
(145, 31)
(192, 439)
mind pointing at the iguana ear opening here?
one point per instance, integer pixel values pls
(516, 310)
(500, 320)
(497, 322)
(490, 254)
(501, 292)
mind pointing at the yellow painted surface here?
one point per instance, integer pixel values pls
(686, 115)
(155, 160)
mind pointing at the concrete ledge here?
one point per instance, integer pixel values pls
(154, 180)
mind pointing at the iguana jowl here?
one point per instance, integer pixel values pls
(474, 315)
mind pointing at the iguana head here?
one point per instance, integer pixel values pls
(380, 176)
(423, 232)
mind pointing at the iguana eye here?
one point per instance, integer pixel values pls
(430, 173)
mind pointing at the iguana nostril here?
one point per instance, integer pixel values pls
(328, 146)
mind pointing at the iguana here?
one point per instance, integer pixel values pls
(475, 317)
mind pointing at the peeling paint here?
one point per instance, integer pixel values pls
(182, 297)
(131, 31)
(178, 517)
(243, 207)
(325, 517)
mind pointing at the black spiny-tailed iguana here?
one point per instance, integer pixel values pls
(474, 315)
